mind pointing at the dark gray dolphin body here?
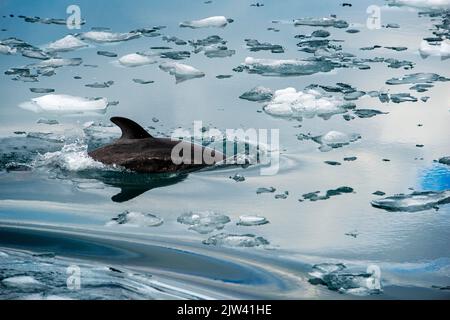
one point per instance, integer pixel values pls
(138, 151)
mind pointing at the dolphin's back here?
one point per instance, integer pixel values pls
(138, 151)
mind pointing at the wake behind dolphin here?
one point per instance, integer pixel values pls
(138, 151)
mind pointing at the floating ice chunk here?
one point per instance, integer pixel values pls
(4, 49)
(236, 240)
(414, 78)
(175, 55)
(335, 139)
(320, 34)
(67, 43)
(204, 222)
(216, 22)
(218, 51)
(140, 81)
(402, 97)
(291, 103)
(316, 196)
(214, 39)
(182, 72)
(108, 54)
(434, 4)
(47, 121)
(42, 90)
(100, 85)
(336, 277)
(416, 201)
(442, 50)
(445, 160)
(65, 104)
(255, 45)
(251, 220)
(22, 282)
(59, 62)
(321, 22)
(265, 190)
(136, 219)
(291, 67)
(136, 60)
(367, 113)
(257, 94)
(105, 36)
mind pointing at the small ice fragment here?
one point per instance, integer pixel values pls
(67, 43)
(100, 85)
(61, 103)
(402, 97)
(291, 67)
(136, 60)
(379, 193)
(204, 222)
(182, 72)
(237, 177)
(367, 113)
(442, 50)
(416, 201)
(283, 195)
(22, 282)
(445, 160)
(107, 54)
(416, 78)
(265, 190)
(47, 121)
(335, 139)
(352, 234)
(42, 90)
(236, 240)
(250, 220)
(257, 94)
(332, 163)
(350, 158)
(105, 36)
(321, 22)
(140, 81)
(255, 45)
(320, 34)
(136, 219)
(216, 22)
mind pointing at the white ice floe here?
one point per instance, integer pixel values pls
(105, 36)
(4, 49)
(236, 240)
(287, 67)
(136, 219)
(216, 22)
(181, 71)
(136, 60)
(335, 139)
(437, 4)
(21, 281)
(65, 104)
(67, 43)
(442, 50)
(250, 220)
(291, 103)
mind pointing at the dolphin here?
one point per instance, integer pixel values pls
(138, 151)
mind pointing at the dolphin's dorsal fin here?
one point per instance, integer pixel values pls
(130, 129)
